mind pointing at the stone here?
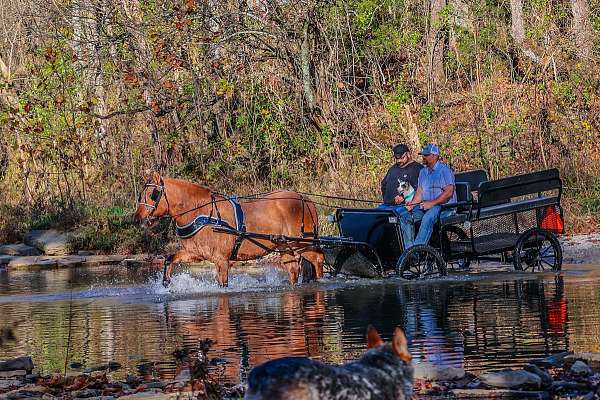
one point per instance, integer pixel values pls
(19, 249)
(8, 383)
(51, 242)
(497, 394)
(511, 379)
(4, 260)
(544, 375)
(183, 376)
(111, 366)
(555, 360)
(16, 364)
(16, 373)
(146, 396)
(86, 393)
(433, 372)
(571, 386)
(580, 368)
(591, 359)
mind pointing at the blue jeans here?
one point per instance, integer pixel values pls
(428, 219)
(397, 208)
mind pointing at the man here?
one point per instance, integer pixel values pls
(404, 169)
(435, 188)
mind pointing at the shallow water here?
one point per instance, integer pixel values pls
(480, 321)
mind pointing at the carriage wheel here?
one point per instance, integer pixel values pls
(453, 233)
(537, 250)
(420, 262)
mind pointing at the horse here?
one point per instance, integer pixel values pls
(212, 226)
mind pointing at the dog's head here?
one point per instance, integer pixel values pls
(402, 186)
(392, 357)
(399, 345)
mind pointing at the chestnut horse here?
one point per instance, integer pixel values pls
(197, 211)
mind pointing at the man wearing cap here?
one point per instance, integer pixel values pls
(404, 169)
(435, 188)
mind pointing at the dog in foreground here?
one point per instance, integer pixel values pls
(384, 372)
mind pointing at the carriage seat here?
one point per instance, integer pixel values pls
(502, 196)
(516, 193)
(465, 183)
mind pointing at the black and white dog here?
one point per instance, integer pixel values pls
(384, 372)
(406, 190)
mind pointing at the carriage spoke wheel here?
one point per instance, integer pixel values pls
(537, 250)
(421, 262)
(452, 233)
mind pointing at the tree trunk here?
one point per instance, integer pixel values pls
(305, 66)
(436, 44)
(582, 28)
(517, 26)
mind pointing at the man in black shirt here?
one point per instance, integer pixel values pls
(404, 170)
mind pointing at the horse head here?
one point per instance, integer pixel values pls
(152, 202)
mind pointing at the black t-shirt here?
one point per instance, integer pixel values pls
(389, 184)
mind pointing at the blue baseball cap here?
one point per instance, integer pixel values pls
(430, 149)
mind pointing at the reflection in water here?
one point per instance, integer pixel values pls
(477, 324)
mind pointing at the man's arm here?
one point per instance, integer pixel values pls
(443, 198)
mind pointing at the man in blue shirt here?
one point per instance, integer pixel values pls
(436, 187)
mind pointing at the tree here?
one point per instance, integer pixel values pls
(436, 44)
(582, 28)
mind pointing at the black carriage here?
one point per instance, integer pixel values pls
(511, 220)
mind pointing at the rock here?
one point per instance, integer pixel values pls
(555, 360)
(183, 376)
(591, 359)
(17, 363)
(36, 391)
(571, 386)
(51, 242)
(581, 249)
(433, 372)
(8, 383)
(86, 393)
(545, 376)
(497, 394)
(19, 249)
(4, 260)
(511, 379)
(85, 253)
(146, 395)
(580, 368)
(111, 366)
(16, 373)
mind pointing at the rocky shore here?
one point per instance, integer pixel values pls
(50, 249)
(564, 375)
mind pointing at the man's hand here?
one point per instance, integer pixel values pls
(409, 205)
(426, 205)
(399, 199)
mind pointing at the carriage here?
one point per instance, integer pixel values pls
(510, 220)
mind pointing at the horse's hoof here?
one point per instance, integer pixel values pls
(166, 282)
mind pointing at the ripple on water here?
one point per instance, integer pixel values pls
(477, 321)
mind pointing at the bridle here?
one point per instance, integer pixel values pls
(155, 196)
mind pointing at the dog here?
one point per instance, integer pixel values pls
(406, 190)
(384, 372)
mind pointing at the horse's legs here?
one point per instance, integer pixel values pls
(291, 263)
(170, 262)
(222, 271)
(316, 258)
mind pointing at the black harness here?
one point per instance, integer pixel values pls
(202, 220)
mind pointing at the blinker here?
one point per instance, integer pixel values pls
(155, 195)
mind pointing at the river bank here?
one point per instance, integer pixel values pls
(577, 249)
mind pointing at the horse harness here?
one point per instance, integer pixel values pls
(155, 196)
(202, 220)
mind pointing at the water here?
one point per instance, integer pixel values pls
(481, 321)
